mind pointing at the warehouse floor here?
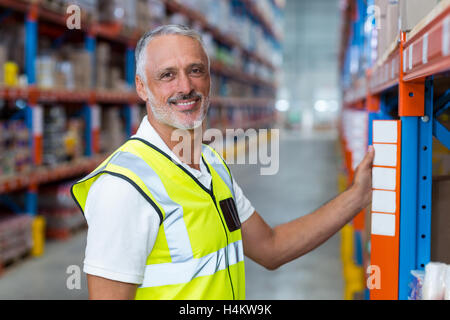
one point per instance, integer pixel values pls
(306, 179)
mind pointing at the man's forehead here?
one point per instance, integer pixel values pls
(168, 49)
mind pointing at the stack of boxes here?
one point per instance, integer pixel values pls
(396, 16)
(54, 130)
(15, 156)
(412, 11)
(55, 72)
(63, 137)
(376, 32)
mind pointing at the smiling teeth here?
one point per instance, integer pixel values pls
(186, 104)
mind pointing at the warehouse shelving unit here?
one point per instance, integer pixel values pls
(91, 100)
(401, 87)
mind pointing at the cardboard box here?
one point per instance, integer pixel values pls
(412, 11)
(441, 158)
(392, 22)
(440, 220)
(381, 17)
(388, 25)
(82, 71)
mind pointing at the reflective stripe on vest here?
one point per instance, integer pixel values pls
(178, 240)
(168, 273)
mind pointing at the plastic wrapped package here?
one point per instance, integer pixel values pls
(434, 282)
(416, 285)
(447, 283)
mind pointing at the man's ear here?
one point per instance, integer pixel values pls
(140, 88)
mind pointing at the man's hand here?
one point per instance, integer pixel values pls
(362, 182)
(273, 247)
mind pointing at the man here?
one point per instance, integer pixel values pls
(163, 226)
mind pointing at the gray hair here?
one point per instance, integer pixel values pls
(171, 29)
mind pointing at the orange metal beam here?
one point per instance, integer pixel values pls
(411, 96)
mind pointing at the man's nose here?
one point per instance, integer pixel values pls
(184, 84)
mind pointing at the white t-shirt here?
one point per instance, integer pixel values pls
(123, 226)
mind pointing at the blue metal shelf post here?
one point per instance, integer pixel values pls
(129, 76)
(415, 204)
(31, 36)
(90, 46)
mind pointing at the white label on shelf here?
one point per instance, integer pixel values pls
(386, 72)
(95, 112)
(392, 69)
(384, 178)
(385, 131)
(405, 54)
(383, 201)
(445, 36)
(385, 155)
(383, 224)
(411, 56)
(38, 120)
(425, 49)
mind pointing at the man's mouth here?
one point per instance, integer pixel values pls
(186, 104)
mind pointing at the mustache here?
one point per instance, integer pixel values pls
(191, 95)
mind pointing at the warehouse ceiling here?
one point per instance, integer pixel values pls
(311, 40)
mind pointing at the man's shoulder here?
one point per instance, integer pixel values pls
(107, 183)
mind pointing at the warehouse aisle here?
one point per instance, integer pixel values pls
(306, 179)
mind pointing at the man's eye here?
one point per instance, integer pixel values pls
(197, 71)
(167, 75)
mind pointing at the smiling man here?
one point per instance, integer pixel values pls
(163, 226)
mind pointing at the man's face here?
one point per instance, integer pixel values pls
(178, 81)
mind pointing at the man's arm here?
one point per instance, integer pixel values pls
(273, 247)
(105, 289)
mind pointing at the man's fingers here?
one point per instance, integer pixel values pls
(368, 158)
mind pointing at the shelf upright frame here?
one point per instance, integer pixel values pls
(90, 110)
(416, 114)
(33, 114)
(130, 109)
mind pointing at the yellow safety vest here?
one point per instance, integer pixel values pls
(195, 255)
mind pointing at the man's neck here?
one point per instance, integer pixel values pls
(185, 144)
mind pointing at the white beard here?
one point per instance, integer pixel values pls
(165, 114)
